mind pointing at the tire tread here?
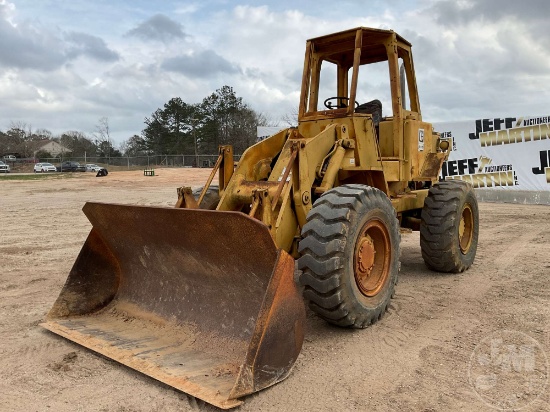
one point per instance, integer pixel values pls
(323, 260)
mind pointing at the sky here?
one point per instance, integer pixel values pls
(66, 64)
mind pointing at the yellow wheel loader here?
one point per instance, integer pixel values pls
(202, 296)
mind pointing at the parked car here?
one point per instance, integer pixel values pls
(44, 167)
(4, 168)
(90, 167)
(69, 166)
(10, 158)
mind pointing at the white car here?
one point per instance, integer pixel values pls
(44, 167)
(93, 168)
(10, 158)
(4, 168)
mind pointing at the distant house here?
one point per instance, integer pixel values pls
(52, 147)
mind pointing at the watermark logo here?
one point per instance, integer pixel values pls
(508, 370)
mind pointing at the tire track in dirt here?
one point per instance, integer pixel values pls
(38, 350)
(414, 359)
(514, 250)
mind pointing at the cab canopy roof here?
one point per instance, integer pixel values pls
(339, 47)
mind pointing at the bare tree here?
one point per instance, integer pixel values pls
(42, 134)
(263, 119)
(291, 117)
(20, 136)
(133, 146)
(21, 129)
(78, 143)
(102, 137)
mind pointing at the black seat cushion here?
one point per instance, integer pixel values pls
(374, 108)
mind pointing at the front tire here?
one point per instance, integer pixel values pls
(449, 227)
(350, 255)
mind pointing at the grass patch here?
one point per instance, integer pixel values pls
(37, 176)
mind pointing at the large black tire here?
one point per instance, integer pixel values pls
(449, 227)
(350, 255)
(211, 198)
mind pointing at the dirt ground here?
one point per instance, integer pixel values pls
(419, 357)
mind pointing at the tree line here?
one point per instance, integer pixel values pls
(24, 141)
(176, 128)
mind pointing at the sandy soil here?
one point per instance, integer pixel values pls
(419, 357)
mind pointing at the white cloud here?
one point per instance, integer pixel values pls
(7, 11)
(473, 58)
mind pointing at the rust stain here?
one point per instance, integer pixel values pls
(201, 312)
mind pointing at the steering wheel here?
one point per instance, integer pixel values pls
(341, 102)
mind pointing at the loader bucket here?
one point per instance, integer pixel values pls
(200, 300)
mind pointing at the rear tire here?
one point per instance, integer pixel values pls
(449, 227)
(211, 198)
(350, 255)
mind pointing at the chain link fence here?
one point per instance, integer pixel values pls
(142, 161)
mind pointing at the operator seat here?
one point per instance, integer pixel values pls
(374, 108)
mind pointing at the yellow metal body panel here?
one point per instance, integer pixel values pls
(386, 139)
(391, 170)
(419, 141)
(410, 201)
(278, 179)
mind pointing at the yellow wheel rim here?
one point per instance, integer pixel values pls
(466, 229)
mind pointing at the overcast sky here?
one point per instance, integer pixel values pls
(65, 64)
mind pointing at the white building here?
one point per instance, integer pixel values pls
(51, 147)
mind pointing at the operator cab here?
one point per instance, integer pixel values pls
(361, 72)
(353, 69)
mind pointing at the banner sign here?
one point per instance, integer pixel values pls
(511, 153)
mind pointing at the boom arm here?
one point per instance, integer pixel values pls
(274, 179)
